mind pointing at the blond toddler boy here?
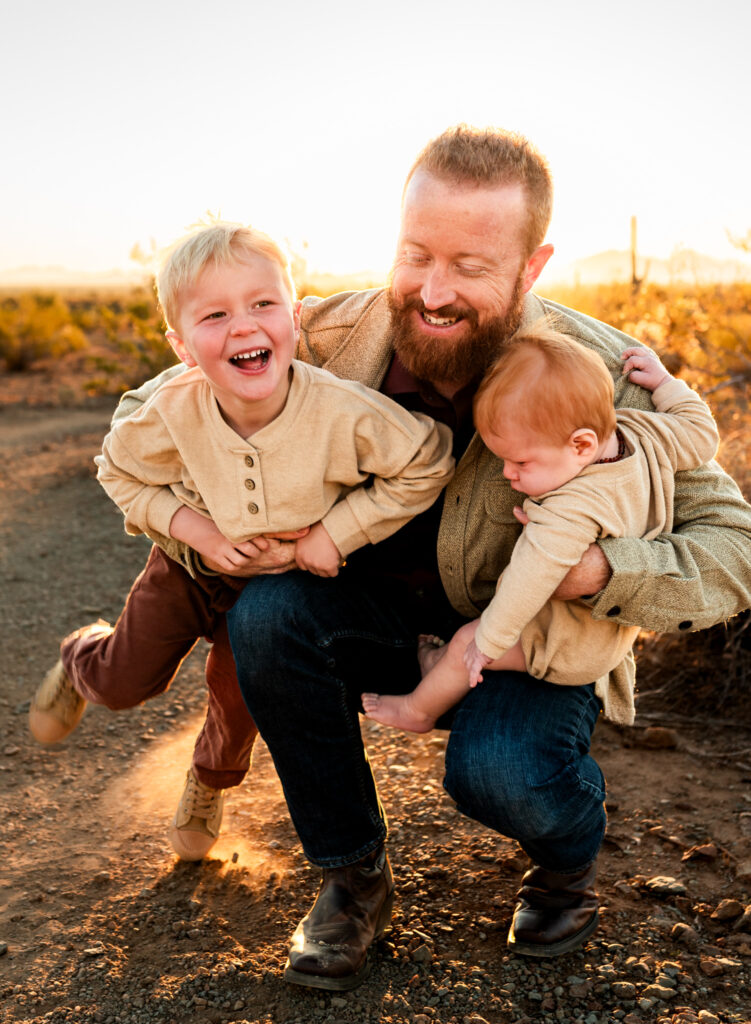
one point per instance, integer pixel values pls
(546, 409)
(250, 441)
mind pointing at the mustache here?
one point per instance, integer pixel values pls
(459, 312)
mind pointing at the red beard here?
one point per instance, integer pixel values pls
(461, 360)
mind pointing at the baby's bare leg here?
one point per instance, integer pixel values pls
(444, 685)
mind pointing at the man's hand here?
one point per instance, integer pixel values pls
(583, 580)
(317, 553)
(277, 553)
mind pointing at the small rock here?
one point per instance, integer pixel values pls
(624, 989)
(10, 751)
(744, 820)
(338, 1003)
(707, 1018)
(743, 870)
(684, 933)
(710, 968)
(422, 955)
(726, 910)
(706, 851)
(646, 1004)
(656, 991)
(657, 737)
(3, 948)
(665, 885)
(744, 924)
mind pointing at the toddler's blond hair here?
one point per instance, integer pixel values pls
(210, 245)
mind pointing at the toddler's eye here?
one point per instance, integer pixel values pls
(214, 316)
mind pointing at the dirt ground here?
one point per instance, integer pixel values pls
(99, 922)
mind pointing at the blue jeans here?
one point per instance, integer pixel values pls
(518, 752)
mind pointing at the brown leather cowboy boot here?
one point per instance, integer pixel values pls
(555, 913)
(353, 908)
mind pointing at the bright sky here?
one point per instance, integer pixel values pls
(126, 122)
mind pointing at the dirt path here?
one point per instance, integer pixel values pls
(100, 923)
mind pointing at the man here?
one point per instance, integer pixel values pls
(475, 211)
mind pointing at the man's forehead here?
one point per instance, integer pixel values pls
(461, 210)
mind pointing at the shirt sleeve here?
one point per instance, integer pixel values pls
(136, 467)
(559, 531)
(408, 459)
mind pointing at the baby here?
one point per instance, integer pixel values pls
(546, 409)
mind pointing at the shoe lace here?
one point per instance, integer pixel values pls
(200, 800)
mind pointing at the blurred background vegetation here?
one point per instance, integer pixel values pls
(69, 347)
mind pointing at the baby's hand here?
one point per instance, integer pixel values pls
(475, 661)
(644, 368)
(317, 553)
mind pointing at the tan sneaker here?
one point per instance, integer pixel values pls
(56, 708)
(197, 820)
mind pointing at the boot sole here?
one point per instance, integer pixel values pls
(554, 948)
(348, 981)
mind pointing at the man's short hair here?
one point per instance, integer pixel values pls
(492, 157)
(547, 383)
(210, 245)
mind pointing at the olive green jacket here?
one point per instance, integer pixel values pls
(698, 575)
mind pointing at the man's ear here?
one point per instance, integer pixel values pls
(535, 264)
(585, 443)
(180, 348)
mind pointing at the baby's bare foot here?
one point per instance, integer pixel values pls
(397, 711)
(430, 650)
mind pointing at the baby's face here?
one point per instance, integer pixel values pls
(239, 325)
(532, 464)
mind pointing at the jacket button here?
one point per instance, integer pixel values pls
(686, 624)
(252, 508)
(249, 460)
(615, 610)
(250, 484)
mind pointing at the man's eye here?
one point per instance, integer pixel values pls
(469, 270)
(415, 259)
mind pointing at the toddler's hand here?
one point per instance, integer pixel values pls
(475, 661)
(317, 552)
(644, 368)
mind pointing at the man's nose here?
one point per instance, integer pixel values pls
(437, 290)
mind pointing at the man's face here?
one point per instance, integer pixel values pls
(458, 282)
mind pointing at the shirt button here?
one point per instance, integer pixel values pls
(249, 460)
(615, 610)
(252, 508)
(686, 624)
(250, 484)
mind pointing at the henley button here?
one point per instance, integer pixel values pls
(615, 610)
(252, 508)
(250, 484)
(249, 461)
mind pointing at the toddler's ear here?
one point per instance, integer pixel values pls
(180, 348)
(584, 442)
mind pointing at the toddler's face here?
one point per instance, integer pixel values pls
(239, 325)
(531, 464)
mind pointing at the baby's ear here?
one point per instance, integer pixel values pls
(296, 316)
(180, 348)
(584, 442)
